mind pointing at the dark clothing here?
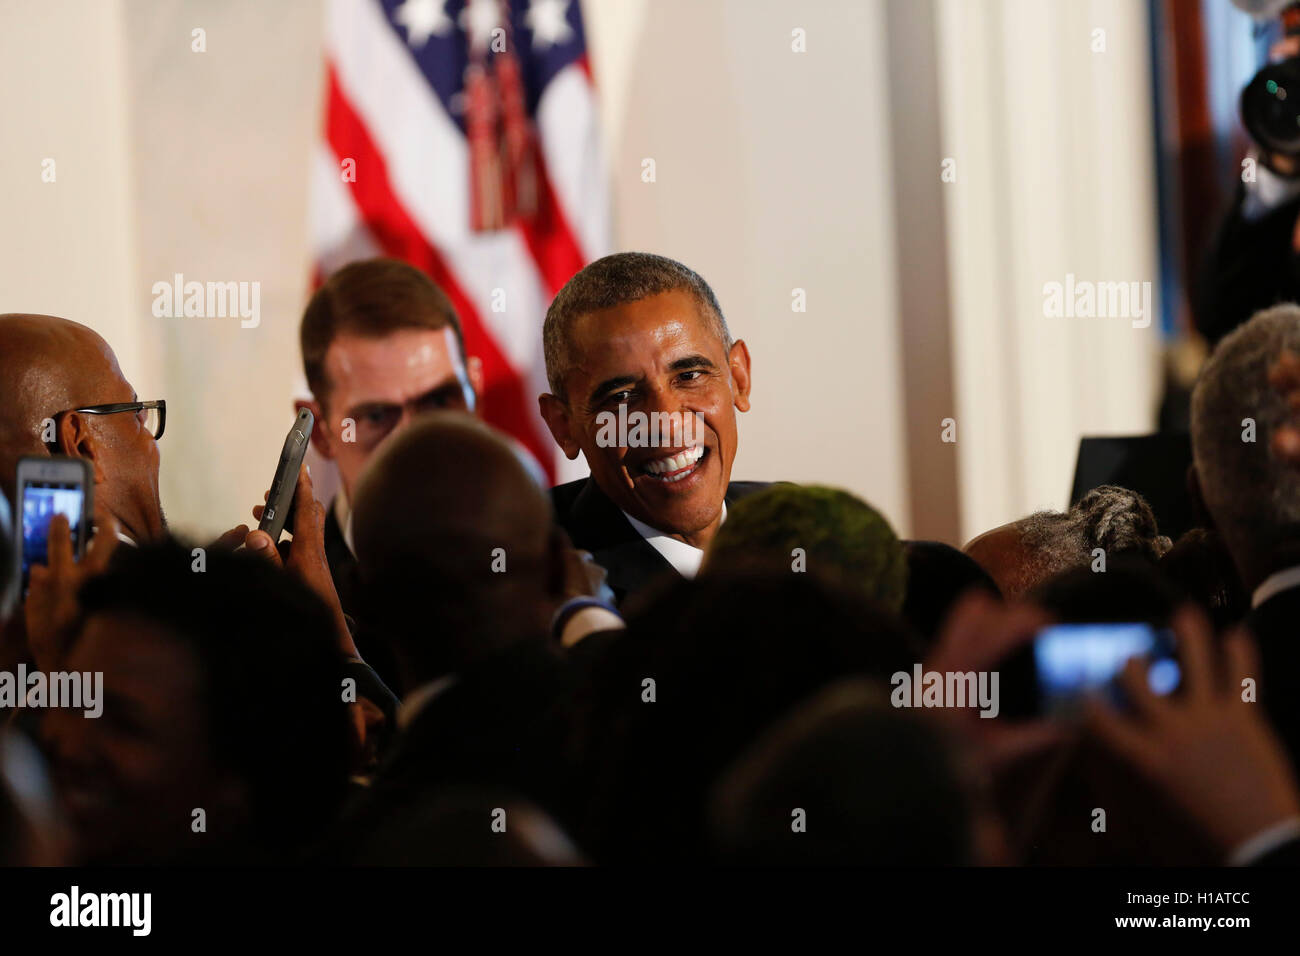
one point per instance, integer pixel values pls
(595, 524)
(1276, 625)
(501, 727)
(347, 582)
(1251, 266)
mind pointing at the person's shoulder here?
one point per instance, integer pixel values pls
(742, 489)
(563, 496)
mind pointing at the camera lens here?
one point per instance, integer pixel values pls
(1270, 107)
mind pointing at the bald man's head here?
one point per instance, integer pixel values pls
(50, 366)
(457, 545)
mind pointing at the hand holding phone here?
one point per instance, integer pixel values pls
(50, 485)
(1072, 661)
(279, 501)
(51, 610)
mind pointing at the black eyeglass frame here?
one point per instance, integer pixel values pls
(116, 407)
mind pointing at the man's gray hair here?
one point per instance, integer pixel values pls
(612, 281)
(1253, 497)
(1115, 519)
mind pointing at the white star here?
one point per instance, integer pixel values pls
(547, 21)
(423, 19)
(479, 19)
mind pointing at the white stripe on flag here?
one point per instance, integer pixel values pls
(569, 130)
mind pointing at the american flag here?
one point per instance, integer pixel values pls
(461, 136)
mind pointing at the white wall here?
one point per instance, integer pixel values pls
(220, 151)
(1053, 144)
(67, 245)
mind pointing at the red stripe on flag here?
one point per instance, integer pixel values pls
(548, 236)
(504, 402)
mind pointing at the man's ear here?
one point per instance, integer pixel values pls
(320, 437)
(738, 362)
(76, 439)
(556, 415)
(474, 370)
(1194, 494)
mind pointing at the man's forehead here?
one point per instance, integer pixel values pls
(650, 330)
(391, 365)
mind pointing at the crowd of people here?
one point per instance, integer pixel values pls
(451, 663)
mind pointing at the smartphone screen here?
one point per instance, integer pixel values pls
(41, 501)
(1074, 660)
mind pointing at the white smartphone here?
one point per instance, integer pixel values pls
(47, 486)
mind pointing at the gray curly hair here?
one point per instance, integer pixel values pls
(1115, 519)
(1253, 497)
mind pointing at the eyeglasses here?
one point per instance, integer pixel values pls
(153, 415)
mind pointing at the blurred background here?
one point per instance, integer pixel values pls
(877, 190)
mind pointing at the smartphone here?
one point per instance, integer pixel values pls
(48, 486)
(279, 503)
(1072, 661)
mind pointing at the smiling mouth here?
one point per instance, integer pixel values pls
(673, 468)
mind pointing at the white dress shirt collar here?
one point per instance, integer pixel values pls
(684, 558)
(343, 515)
(1283, 580)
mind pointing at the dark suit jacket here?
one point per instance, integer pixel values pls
(596, 524)
(347, 582)
(1276, 625)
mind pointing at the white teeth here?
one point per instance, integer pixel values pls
(676, 462)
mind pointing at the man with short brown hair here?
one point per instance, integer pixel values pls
(380, 344)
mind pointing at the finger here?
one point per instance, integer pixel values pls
(1195, 652)
(232, 539)
(1019, 742)
(260, 544)
(59, 557)
(1117, 733)
(102, 547)
(1241, 659)
(258, 511)
(1133, 681)
(988, 632)
(1019, 624)
(309, 518)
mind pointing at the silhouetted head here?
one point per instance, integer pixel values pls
(937, 575)
(1022, 554)
(814, 529)
(846, 779)
(222, 692)
(457, 548)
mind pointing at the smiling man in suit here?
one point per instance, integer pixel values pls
(639, 336)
